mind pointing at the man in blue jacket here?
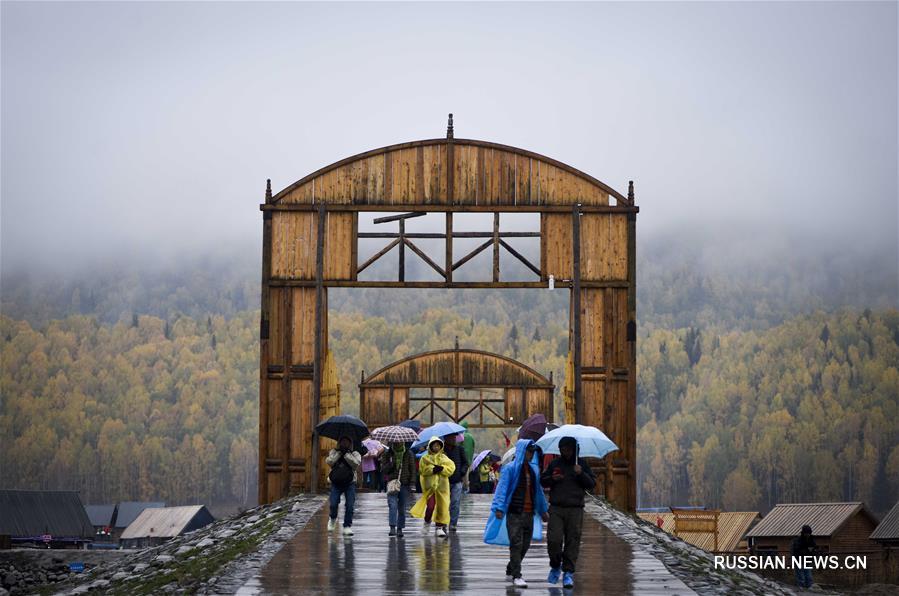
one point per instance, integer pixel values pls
(567, 477)
(517, 509)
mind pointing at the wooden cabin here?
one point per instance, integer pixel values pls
(887, 532)
(836, 527)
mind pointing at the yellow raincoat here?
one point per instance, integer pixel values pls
(434, 484)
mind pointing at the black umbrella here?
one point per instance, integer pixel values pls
(345, 426)
(413, 424)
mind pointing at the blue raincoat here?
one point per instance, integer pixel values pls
(496, 532)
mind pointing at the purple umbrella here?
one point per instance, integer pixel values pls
(533, 428)
(479, 458)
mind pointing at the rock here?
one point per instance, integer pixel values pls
(139, 567)
(100, 583)
(206, 542)
(253, 519)
(10, 579)
(184, 549)
(225, 534)
(120, 575)
(163, 558)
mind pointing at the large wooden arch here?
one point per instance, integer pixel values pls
(515, 391)
(310, 239)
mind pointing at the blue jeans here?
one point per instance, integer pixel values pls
(455, 498)
(349, 501)
(396, 506)
(804, 578)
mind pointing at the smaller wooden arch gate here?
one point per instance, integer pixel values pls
(513, 391)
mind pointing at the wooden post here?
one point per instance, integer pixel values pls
(264, 322)
(631, 447)
(317, 362)
(576, 310)
(496, 247)
(448, 267)
(402, 250)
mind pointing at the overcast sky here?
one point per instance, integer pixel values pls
(150, 128)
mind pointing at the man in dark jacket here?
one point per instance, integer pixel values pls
(802, 546)
(567, 477)
(457, 454)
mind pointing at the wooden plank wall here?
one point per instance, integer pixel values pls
(536, 401)
(606, 354)
(482, 175)
(451, 368)
(379, 408)
(288, 353)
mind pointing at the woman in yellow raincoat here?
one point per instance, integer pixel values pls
(435, 468)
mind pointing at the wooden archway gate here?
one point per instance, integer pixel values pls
(487, 390)
(310, 240)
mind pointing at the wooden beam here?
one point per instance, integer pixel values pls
(362, 205)
(400, 217)
(474, 285)
(425, 258)
(471, 255)
(434, 236)
(520, 257)
(377, 256)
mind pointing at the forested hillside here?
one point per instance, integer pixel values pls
(753, 387)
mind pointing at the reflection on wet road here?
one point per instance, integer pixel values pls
(370, 563)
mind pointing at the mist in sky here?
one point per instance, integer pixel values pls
(146, 131)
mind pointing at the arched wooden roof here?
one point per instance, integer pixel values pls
(418, 172)
(463, 368)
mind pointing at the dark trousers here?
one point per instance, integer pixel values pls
(521, 528)
(563, 537)
(349, 501)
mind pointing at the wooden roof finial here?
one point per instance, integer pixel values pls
(268, 190)
(457, 343)
(449, 127)
(630, 191)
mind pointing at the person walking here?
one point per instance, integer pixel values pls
(468, 447)
(435, 468)
(456, 453)
(518, 507)
(803, 546)
(567, 477)
(398, 467)
(344, 462)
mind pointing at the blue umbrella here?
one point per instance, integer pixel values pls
(591, 441)
(441, 429)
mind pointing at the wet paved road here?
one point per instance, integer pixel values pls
(370, 563)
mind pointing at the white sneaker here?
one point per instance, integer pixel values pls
(347, 531)
(425, 527)
(519, 582)
(441, 532)
(332, 524)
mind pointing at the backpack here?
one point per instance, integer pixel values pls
(341, 474)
